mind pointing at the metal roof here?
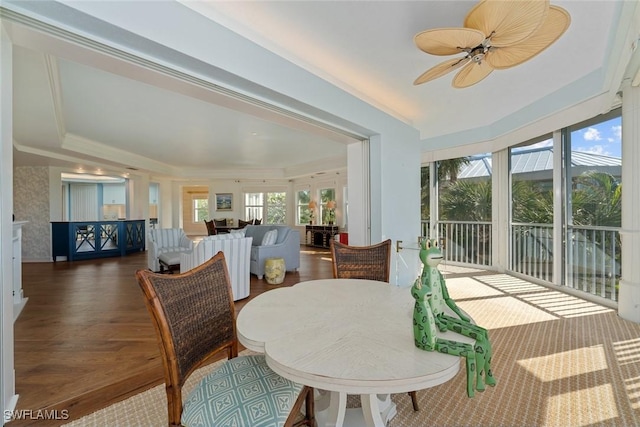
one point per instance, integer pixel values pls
(533, 160)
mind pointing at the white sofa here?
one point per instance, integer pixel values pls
(236, 249)
(165, 240)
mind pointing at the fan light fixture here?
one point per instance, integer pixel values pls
(497, 34)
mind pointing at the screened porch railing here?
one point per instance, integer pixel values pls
(467, 242)
(592, 258)
(532, 250)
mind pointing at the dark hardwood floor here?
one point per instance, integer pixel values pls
(85, 339)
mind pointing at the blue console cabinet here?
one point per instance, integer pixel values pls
(96, 239)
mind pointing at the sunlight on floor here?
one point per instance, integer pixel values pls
(632, 385)
(502, 312)
(628, 355)
(627, 351)
(583, 407)
(562, 365)
(468, 287)
(510, 285)
(564, 305)
(315, 251)
(456, 269)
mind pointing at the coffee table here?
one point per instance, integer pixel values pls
(345, 336)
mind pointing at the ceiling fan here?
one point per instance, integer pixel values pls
(497, 34)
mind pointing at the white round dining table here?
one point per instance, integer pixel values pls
(345, 336)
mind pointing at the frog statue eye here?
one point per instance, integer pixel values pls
(435, 243)
(428, 244)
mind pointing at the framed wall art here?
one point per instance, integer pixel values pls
(224, 202)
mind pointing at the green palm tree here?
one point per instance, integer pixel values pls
(466, 201)
(425, 190)
(597, 200)
(532, 203)
(449, 169)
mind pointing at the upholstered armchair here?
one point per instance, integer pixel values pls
(286, 245)
(237, 250)
(165, 240)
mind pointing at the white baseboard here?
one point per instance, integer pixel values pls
(10, 408)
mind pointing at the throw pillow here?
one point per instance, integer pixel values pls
(242, 232)
(270, 238)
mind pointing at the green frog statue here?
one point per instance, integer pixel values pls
(431, 295)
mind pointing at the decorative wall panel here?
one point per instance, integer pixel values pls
(31, 203)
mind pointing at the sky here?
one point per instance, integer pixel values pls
(603, 138)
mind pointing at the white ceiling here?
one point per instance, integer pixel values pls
(78, 108)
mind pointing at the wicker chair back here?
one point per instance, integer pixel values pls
(194, 317)
(361, 262)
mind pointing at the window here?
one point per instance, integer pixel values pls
(464, 188)
(593, 179)
(253, 206)
(271, 206)
(303, 213)
(200, 208)
(596, 173)
(276, 208)
(327, 205)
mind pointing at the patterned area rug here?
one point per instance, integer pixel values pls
(559, 361)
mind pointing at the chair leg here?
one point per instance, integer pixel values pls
(310, 411)
(307, 397)
(414, 400)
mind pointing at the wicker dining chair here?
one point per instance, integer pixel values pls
(361, 262)
(211, 227)
(194, 317)
(364, 262)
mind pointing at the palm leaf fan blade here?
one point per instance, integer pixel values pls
(554, 26)
(441, 69)
(471, 74)
(448, 41)
(507, 22)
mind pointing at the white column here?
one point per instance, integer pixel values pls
(395, 198)
(138, 198)
(434, 207)
(629, 301)
(384, 196)
(500, 209)
(358, 188)
(558, 202)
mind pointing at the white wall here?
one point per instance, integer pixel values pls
(8, 398)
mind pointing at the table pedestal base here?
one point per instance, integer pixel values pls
(331, 410)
